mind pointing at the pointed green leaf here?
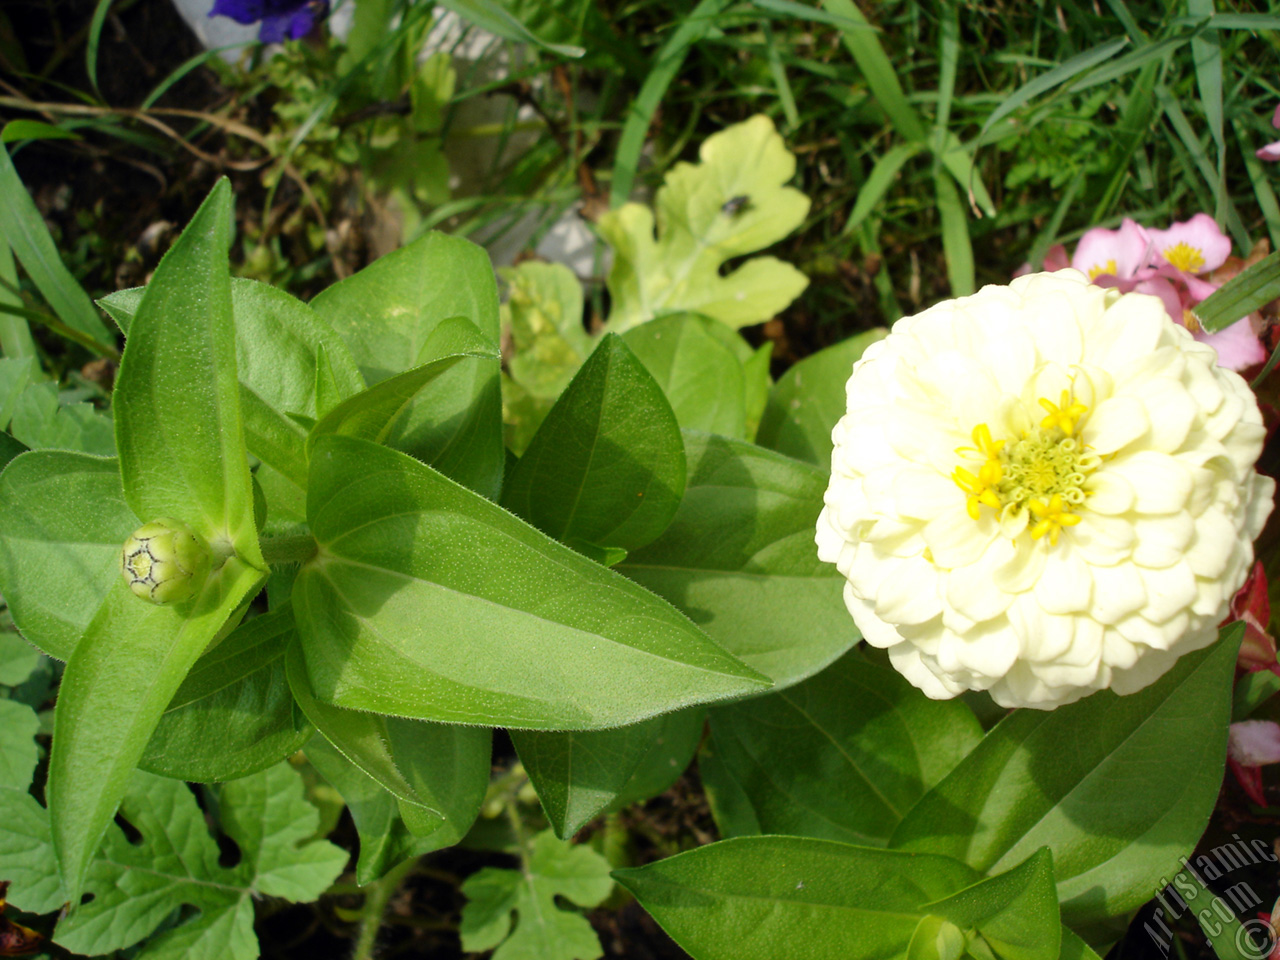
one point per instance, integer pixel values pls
(790, 898)
(842, 756)
(426, 600)
(808, 400)
(372, 414)
(579, 773)
(1016, 912)
(607, 465)
(24, 229)
(671, 747)
(233, 714)
(739, 559)
(1117, 787)
(177, 405)
(732, 203)
(63, 520)
(123, 673)
(701, 377)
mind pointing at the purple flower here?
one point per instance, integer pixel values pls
(281, 19)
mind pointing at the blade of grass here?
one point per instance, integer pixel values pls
(640, 114)
(958, 161)
(1044, 239)
(878, 182)
(1206, 54)
(867, 52)
(955, 236)
(786, 98)
(1135, 122)
(1262, 191)
(948, 59)
(1160, 50)
(1241, 295)
(100, 11)
(180, 71)
(798, 11)
(27, 235)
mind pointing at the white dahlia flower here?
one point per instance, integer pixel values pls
(1042, 490)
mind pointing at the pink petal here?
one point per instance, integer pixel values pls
(1116, 253)
(1194, 246)
(1251, 743)
(1250, 778)
(1056, 259)
(1275, 118)
(1198, 289)
(1270, 152)
(1168, 294)
(1238, 346)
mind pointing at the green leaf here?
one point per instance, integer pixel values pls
(703, 220)
(26, 233)
(137, 888)
(385, 840)
(63, 520)
(387, 313)
(18, 753)
(18, 659)
(428, 601)
(233, 715)
(580, 773)
(1117, 787)
(9, 449)
(842, 756)
(1016, 913)
(177, 411)
(437, 773)
(15, 374)
(790, 898)
(739, 560)
(372, 414)
(671, 747)
(544, 313)
(1241, 295)
(543, 931)
(492, 16)
(122, 674)
(808, 400)
(607, 465)
(702, 378)
(42, 422)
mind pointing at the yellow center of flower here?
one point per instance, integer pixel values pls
(1185, 257)
(1108, 268)
(1043, 472)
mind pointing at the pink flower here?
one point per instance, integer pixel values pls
(1190, 248)
(1250, 745)
(1272, 150)
(1122, 254)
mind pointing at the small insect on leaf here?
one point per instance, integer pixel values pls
(736, 206)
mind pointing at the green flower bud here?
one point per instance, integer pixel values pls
(165, 561)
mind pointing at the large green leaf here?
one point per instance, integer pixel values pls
(730, 204)
(179, 429)
(579, 773)
(63, 520)
(426, 600)
(739, 560)
(41, 421)
(671, 747)
(122, 674)
(701, 376)
(809, 399)
(420, 764)
(842, 756)
(387, 313)
(790, 898)
(233, 714)
(1117, 787)
(606, 467)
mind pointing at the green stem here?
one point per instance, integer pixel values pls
(378, 894)
(288, 549)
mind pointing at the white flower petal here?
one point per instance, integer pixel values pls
(1116, 422)
(1161, 483)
